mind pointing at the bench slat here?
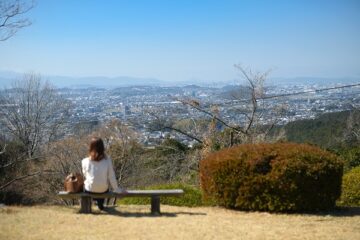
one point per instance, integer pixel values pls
(129, 193)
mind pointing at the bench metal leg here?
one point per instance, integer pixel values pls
(85, 203)
(110, 202)
(155, 205)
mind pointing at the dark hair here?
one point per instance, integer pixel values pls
(97, 149)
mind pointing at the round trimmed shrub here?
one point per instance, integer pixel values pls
(350, 195)
(272, 177)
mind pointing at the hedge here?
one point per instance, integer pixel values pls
(272, 177)
(351, 188)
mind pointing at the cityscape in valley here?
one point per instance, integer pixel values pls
(139, 106)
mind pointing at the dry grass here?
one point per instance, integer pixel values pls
(134, 222)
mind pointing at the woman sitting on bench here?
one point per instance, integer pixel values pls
(98, 171)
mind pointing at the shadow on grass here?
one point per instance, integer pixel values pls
(339, 212)
(113, 211)
(336, 212)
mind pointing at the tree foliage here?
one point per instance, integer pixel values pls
(329, 130)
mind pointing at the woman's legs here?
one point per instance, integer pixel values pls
(99, 201)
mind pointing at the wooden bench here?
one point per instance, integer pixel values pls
(86, 198)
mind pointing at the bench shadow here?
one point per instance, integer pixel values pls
(192, 213)
(113, 211)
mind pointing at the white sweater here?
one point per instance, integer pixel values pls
(98, 175)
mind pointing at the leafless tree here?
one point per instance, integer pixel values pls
(252, 105)
(258, 114)
(62, 158)
(121, 142)
(12, 17)
(32, 112)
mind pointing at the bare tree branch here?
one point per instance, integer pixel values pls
(18, 179)
(23, 177)
(11, 17)
(197, 106)
(162, 125)
(20, 159)
(3, 149)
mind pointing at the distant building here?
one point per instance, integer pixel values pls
(127, 111)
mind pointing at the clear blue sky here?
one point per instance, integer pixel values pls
(177, 40)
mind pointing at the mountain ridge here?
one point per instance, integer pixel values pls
(7, 77)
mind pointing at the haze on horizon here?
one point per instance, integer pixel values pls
(187, 40)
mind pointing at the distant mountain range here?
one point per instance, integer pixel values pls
(7, 77)
(312, 80)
